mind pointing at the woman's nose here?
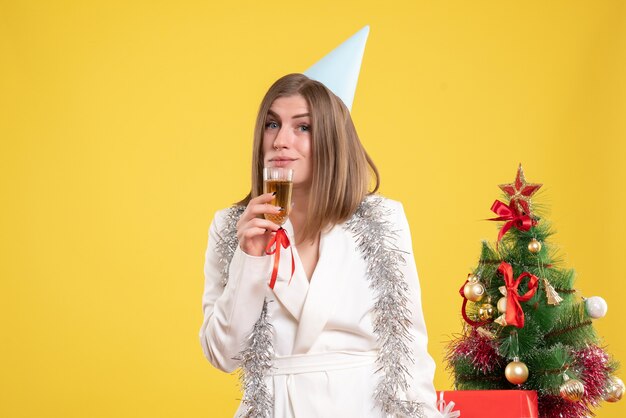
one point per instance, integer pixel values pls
(282, 139)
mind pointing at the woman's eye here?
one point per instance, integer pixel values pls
(305, 128)
(271, 125)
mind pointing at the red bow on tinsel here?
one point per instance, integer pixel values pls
(279, 239)
(508, 213)
(514, 314)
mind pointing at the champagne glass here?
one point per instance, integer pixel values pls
(278, 180)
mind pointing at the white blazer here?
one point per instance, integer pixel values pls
(324, 342)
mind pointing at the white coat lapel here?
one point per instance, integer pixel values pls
(336, 250)
(291, 295)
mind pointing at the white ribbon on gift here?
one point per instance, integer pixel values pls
(447, 410)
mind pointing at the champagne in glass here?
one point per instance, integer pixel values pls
(280, 181)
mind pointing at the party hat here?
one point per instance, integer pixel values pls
(339, 70)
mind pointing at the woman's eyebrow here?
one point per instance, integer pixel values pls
(273, 114)
(303, 115)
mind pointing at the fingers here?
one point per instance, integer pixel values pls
(253, 230)
(250, 233)
(263, 198)
(262, 208)
(255, 227)
(262, 223)
(258, 206)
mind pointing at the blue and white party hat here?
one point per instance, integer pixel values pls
(339, 70)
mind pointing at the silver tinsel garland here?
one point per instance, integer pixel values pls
(256, 357)
(392, 317)
(256, 361)
(228, 242)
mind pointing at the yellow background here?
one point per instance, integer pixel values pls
(125, 125)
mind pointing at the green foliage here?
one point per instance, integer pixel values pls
(488, 265)
(572, 326)
(467, 377)
(548, 366)
(613, 365)
(528, 338)
(562, 280)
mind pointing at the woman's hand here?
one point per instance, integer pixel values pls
(253, 232)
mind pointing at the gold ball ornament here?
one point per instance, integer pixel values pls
(516, 372)
(572, 390)
(502, 305)
(472, 278)
(486, 311)
(534, 246)
(615, 390)
(474, 290)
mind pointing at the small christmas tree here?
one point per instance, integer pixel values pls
(526, 325)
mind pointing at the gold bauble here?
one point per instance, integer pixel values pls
(615, 390)
(572, 390)
(472, 278)
(502, 305)
(516, 372)
(534, 246)
(486, 311)
(474, 291)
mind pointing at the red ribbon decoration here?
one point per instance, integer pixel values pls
(514, 313)
(507, 213)
(279, 239)
(465, 317)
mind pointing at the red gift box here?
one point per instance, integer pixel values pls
(493, 403)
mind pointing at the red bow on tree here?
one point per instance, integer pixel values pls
(514, 314)
(508, 213)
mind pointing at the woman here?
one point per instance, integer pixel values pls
(343, 335)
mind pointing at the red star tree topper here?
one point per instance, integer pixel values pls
(520, 192)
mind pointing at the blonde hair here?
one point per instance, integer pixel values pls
(341, 168)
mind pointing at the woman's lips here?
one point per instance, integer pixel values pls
(281, 162)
